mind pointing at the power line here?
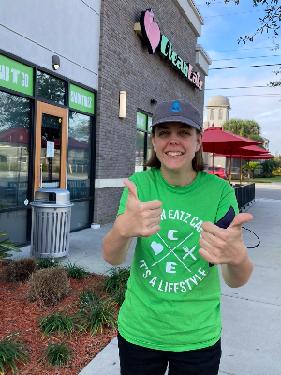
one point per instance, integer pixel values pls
(257, 95)
(230, 14)
(236, 67)
(238, 87)
(246, 57)
(245, 49)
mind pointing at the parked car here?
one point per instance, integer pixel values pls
(218, 171)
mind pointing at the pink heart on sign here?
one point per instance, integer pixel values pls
(151, 29)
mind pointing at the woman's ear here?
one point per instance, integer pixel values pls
(199, 142)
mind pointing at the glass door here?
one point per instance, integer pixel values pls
(50, 146)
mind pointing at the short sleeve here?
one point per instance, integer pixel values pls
(227, 208)
(123, 202)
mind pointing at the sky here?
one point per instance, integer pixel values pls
(223, 24)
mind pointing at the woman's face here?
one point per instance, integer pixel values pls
(175, 145)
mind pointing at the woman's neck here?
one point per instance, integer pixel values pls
(178, 178)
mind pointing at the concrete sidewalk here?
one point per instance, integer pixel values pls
(251, 338)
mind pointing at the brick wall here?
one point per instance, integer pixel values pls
(125, 64)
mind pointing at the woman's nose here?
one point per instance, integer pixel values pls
(173, 141)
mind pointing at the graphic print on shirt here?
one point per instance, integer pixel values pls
(174, 264)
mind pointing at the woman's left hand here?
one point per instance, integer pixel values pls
(224, 246)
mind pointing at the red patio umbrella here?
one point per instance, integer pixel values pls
(219, 141)
(250, 155)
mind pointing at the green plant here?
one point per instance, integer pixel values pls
(119, 295)
(88, 298)
(12, 351)
(19, 270)
(96, 316)
(117, 279)
(6, 246)
(46, 263)
(58, 354)
(76, 272)
(57, 322)
(49, 285)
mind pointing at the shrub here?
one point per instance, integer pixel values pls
(96, 316)
(6, 246)
(12, 352)
(58, 354)
(119, 295)
(57, 322)
(46, 263)
(76, 272)
(19, 270)
(87, 298)
(116, 283)
(49, 285)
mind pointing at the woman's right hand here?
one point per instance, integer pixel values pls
(141, 219)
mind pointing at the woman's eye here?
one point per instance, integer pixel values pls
(162, 132)
(185, 132)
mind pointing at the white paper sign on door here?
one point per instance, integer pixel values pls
(50, 149)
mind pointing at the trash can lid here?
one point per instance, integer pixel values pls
(57, 195)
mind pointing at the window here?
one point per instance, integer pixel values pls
(143, 145)
(79, 155)
(15, 121)
(51, 88)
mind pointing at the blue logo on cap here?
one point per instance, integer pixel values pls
(176, 107)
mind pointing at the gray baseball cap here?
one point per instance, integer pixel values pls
(177, 111)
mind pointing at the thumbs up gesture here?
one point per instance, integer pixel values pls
(141, 219)
(224, 246)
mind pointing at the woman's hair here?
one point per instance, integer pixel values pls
(197, 161)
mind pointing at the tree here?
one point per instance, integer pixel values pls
(268, 23)
(268, 167)
(250, 168)
(245, 128)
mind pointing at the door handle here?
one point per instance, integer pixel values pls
(41, 166)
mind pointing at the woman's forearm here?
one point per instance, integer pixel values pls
(115, 244)
(237, 275)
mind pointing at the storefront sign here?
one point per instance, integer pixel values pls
(157, 41)
(16, 76)
(81, 99)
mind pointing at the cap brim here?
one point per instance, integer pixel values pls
(180, 119)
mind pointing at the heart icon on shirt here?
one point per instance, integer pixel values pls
(151, 30)
(157, 247)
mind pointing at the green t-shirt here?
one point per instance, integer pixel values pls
(173, 296)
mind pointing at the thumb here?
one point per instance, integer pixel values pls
(240, 219)
(132, 189)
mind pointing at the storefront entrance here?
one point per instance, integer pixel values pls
(50, 146)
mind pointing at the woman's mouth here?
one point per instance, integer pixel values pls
(174, 153)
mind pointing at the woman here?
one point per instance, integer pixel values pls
(185, 223)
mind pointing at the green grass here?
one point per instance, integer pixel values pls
(12, 352)
(117, 279)
(266, 179)
(58, 354)
(75, 272)
(46, 263)
(57, 322)
(95, 317)
(88, 298)
(259, 180)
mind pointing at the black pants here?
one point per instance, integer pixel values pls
(137, 360)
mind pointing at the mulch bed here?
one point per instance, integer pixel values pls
(18, 315)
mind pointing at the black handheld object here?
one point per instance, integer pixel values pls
(225, 222)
